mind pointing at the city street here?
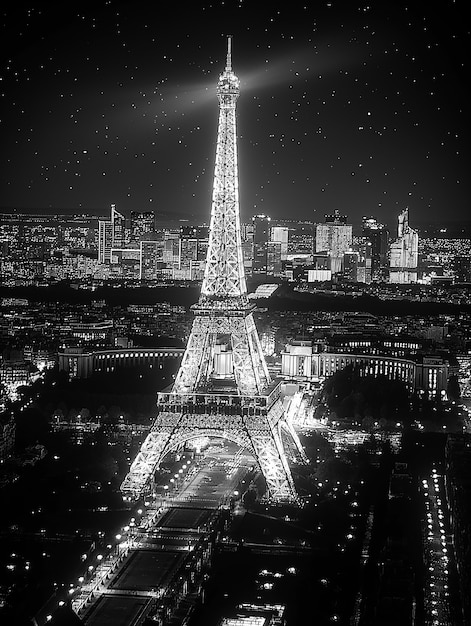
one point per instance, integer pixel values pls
(438, 551)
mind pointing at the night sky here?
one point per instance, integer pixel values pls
(356, 106)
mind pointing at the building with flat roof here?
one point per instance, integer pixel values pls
(334, 237)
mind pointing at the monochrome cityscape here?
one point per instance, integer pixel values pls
(218, 422)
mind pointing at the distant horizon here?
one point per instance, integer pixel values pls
(170, 216)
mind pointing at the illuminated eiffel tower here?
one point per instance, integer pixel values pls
(223, 387)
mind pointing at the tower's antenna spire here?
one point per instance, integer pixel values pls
(228, 61)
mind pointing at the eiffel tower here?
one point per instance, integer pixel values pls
(237, 400)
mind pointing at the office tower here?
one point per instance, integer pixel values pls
(261, 237)
(378, 235)
(279, 234)
(118, 222)
(335, 238)
(141, 225)
(105, 240)
(274, 258)
(462, 269)
(246, 233)
(223, 387)
(152, 265)
(301, 239)
(404, 253)
(193, 246)
(111, 234)
(357, 261)
(364, 266)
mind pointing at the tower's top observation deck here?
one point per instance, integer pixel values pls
(228, 84)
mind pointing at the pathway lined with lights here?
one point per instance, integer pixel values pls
(438, 552)
(164, 535)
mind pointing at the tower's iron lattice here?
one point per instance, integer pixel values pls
(239, 401)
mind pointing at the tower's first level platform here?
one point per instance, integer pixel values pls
(221, 402)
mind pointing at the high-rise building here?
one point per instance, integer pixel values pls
(279, 234)
(261, 237)
(335, 238)
(357, 261)
(187, 252)
(273, 258)
(193, 245)
(301, 239)
(246, 233)
(378, 235)
(364, 269)
(404, 252)
(171, 252)
(141, 224)
(350, 266)
(152, 265)
(111, 234)
(105, 240)
(462, 269)
(118, 222)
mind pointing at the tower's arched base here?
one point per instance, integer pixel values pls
(254, 423)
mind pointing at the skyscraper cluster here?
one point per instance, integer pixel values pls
(37, 249)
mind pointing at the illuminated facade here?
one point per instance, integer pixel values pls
(105, 240)
(14, 374)
(223, 387)
(111, 234)
(404, 252)
(424, 374)
(334, 237)
(141, 225)
(151, 260)
(280, 234)
(82, 363)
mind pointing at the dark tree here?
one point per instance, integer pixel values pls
(453, 388)
(377, 397)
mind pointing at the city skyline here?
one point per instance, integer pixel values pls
(355, 108)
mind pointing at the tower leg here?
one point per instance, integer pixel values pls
(148, 459)
(270, 456)
(197, 357)
(258, 434)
